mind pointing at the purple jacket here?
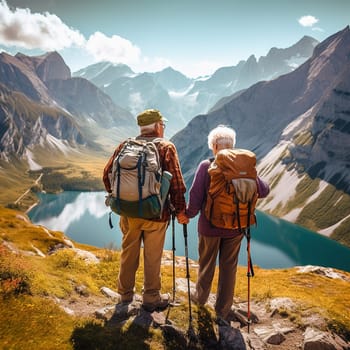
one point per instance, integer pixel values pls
(198, 196)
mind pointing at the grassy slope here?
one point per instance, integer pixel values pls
(78, 171)
(29, 283)
(324, 211)
(82, 171)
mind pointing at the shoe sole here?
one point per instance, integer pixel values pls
(154, 308)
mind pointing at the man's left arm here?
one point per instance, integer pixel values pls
(107, 170)
(177, 187)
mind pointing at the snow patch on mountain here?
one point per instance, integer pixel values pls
(136, 101)
(176, 94)
(296, 61)
(296, 125)
(279, 194)
(293, 214)
(33, 166)
(322, 186)
(60, 145)
(329, 230)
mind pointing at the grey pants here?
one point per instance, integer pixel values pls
(227, 249)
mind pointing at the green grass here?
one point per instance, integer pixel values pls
(30, 283)
(341, 233)
(60, 172)
(304, 190)
(328, 209)
(31, 322)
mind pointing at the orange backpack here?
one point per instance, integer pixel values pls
(232, 191)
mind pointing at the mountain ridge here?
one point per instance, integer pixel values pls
(47, 87)
(263, 116)
(187, 97)
(286, 121)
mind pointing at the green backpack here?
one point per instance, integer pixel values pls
(139, 186)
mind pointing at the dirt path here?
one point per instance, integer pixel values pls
(37, 182)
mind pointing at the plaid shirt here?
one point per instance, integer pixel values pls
(169, 162)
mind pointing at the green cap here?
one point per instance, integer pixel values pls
(150, 116)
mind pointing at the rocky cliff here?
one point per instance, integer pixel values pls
(181, 98)
(298, 125)
(42, 106)
(25, 124)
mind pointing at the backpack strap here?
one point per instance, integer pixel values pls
(246, 232)
(236, 200)
(139, 183)
(141, 169)
(118, 185)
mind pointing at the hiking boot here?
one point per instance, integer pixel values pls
(159, 305)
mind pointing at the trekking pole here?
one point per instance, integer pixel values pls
(191, 333)
(248, 275)
(173, 248)
(174, 303)
(250, 270)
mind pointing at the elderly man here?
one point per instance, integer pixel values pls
(149, 231)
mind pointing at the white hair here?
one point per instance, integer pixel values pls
(222, 135)
(147, 128)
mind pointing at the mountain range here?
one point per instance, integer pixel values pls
(291, 107)
(181, 98)
(43, 106)
(298, 125)
(94, 106)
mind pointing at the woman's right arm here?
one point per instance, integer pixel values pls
(198, 190)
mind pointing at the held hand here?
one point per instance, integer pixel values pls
(182, 218)
(108, 199)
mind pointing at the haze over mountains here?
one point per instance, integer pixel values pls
(181, 98)
(292, 107)
(42, 105)
(96, 105)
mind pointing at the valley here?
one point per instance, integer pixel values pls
(295, 117)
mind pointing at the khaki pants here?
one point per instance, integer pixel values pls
(227, 249)
(152, 234)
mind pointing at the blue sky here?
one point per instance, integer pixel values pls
(195, 36)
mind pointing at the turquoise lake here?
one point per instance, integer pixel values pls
(275, 243)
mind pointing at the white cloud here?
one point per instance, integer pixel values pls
(20, 27)
(86, 202)
(307, 21)
(114, 49)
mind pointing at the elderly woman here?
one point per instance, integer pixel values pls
(214, 241)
